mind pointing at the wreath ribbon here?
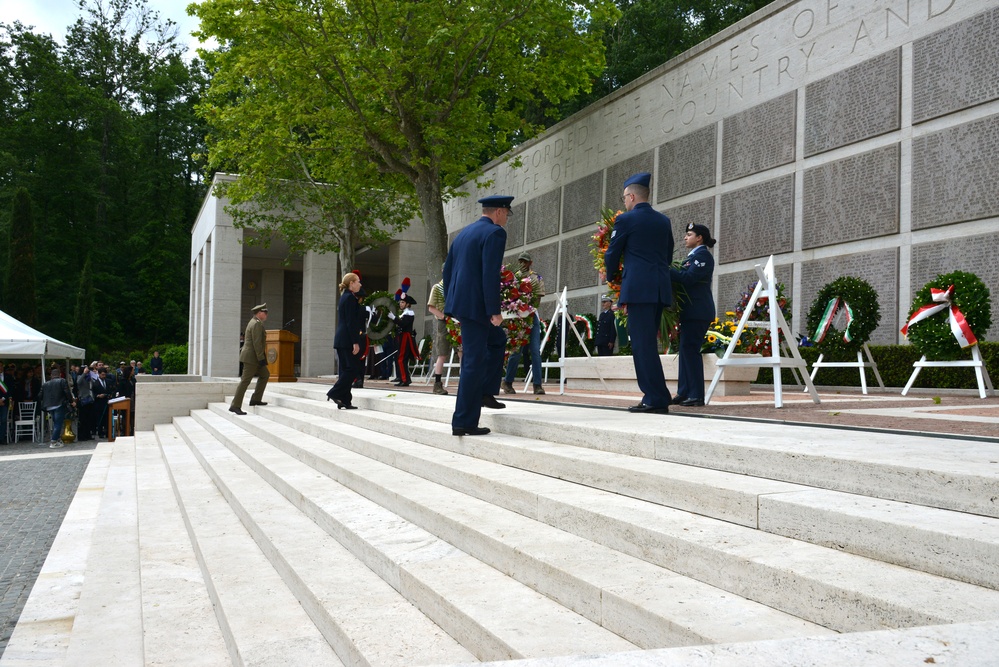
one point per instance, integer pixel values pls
(827, 319)
(579, 319)
(943, 299)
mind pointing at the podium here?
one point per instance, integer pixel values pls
(122, 404)
(281, 355)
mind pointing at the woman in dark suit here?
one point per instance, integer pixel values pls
(347, 341)
(697, 314)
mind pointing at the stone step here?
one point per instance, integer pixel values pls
(364, 619)
(961, 476)
(44, 628)
(108, 625)
(178, 621)
(867, 594)
(493, 615)
(261, 620)
(642, 602)
(943, 542)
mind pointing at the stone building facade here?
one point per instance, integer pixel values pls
(843, 137)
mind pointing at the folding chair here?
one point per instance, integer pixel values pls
(27, 421)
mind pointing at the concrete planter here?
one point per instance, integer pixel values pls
(618, 374)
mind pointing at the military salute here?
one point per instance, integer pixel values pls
(472, 296)
(254, 359)
(643, 239)
(698, 312)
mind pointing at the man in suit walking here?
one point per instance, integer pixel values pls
(643, 239)
(472, 296)
(254, 359)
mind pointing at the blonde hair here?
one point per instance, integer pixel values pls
(348, 278)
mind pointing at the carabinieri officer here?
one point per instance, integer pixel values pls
(643, 239)
(472, 296)
(697, 313)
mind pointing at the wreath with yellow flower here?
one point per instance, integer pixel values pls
(518, 302)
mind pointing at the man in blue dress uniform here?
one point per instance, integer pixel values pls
(643, 238)
(472, 296)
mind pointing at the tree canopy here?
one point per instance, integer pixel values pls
(410, 93)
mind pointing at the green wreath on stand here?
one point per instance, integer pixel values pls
(934, 336)
(381, 325)
(859, 302)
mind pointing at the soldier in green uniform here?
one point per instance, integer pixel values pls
(254, 358)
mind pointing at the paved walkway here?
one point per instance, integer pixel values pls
(37, 485)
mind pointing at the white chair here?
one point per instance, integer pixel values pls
(27, 421)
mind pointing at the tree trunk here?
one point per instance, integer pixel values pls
(428, 193)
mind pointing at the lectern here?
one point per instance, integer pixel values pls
(281, 355)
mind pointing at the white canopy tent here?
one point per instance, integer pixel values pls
(19, 341)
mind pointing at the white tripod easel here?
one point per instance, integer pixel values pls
(561, 313)
(766, 288)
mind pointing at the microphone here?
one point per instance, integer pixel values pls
(291, 321)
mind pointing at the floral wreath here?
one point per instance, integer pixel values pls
(599, 243)
(858, 301)
(948, 309)
(757, 341)
(381, 326)
(518, 302)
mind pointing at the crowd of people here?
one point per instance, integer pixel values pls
(79, 392)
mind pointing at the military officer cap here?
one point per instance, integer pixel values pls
(643, 179)
(525, 257)
(606, 297)
(261, 308)
(496, 201)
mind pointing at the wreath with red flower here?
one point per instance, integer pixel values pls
(757, 341)
(598, 247)
(518, 301)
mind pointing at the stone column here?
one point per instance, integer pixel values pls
(272, 293)
(225, 321)
(319, 301)
(407, 259)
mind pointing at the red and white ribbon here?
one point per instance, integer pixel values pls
(942, 300)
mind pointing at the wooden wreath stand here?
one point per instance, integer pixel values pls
(859, 363)
(976, 362)
(766, 288)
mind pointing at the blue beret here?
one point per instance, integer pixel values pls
(496, 201)
(642, 179)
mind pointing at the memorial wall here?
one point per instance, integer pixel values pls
(845, 138)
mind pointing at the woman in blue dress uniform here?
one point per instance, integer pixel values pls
(697, 313)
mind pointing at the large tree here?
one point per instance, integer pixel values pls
(21, 302)
(415, 89)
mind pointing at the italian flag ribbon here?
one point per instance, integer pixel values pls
(943, 300)
(5, 390)
(827, 319)
(586, 324)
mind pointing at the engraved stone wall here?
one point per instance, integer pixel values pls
(545, 263)
(955, 174)
(515, 226)
(759, 138)
(857, 103)
(701, 212)
(576, 264)
(732, 285)
(582, 202)
(543, 215)
(617, 173)
(878, 267)
(853, 198)
(956, 67)
(687, 164)
(757, 221)
(975, 254)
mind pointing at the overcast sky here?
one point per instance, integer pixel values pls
(53, 17)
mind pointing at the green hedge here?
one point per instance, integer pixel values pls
(895, 365)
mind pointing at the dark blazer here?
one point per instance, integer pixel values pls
(349, 321)
(606, 329)
(695, 276)
(643, 238)
(471, 272)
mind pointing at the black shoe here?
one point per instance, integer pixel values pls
(677, 400)
(691, 403)
(340, 405)
(234, 411)
(489, 401)
(475, 430)
(258, 403)
(641, 408)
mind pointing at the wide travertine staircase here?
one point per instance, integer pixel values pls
(304, 535)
